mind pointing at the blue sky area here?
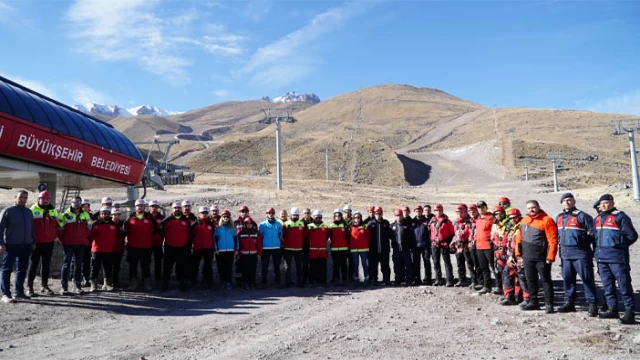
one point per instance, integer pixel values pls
(185, 54)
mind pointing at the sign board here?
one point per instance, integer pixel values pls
(42, 187)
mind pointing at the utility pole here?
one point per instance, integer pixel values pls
(326, 154)
(269, 119)
(630, 126)
(349, 132)
(526, 169)
(554, 161)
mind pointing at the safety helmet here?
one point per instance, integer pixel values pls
(248, 219)
(244, 208)
(86, 202)
(357, 212)
(176, 205)
(44, 195)
(370, 208)
(107, 200)
(406, 208)
(504, 200)
(316, 213)
(473, 206)
(203, 209)
(225, 212)
(461, 208)
(347, 209)
(140, 202)
(418, 207)
(498, 209)
(439, 207)
(377, 209)
(295, 211)
(154, 203)
(397, 212)
(337, 211)
(270, 210)
(186, 202)
(116, 212)
(214, 207)
(513, 212)
(106, 209)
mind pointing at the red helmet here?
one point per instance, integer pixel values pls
(225, 212)
(371, 208)
(270, 210)
(498, 209)
(461, 208)
(406, 208)
(513, 212)
(418, 207)
(377, 209)
(504, 200)
(397, 212)
(248, 219)
(244, 208)
(45, 195)
(439, 207)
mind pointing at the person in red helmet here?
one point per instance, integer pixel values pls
(499, 240)
(45, 226)
(370, 217)
(422, 251)
(243, 213)
(250, 248)
(402, 240)
(505, 203)
(379, 247)
(462, 239)
(202, 248)
(360, 236)
(442, 233)
(513, 279)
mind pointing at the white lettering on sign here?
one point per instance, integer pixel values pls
(46, 147)
(112, 166)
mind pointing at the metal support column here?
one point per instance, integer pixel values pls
(634, 166)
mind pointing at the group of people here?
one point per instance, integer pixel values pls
(518, 249)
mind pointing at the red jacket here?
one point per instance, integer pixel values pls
(75, 230)
(318, 236)
(119, 249)
(360, 237)
(463, 230)
(202, 235)
(339, 234)
(105, 236)
(250, 241)
(441, 230)
(295, 234)
(157, 238)
(176, 231)
(45, 223)
(140, 229)
(483, 231)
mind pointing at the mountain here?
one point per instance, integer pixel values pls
(294, 97)
(115, 110)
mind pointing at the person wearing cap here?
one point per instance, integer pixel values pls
(214, 213)
(339, 245)
(239, 224)
(156, 242)
(370, 217)
(74, 236)
(576, 237)
(514, 282)
(380, 247)
(614, 234)
(347, 214)
(422, 251)
(250, 249)
(484, 251)
(17, 241)
(104, 236)
(537, 243)
(359, 246)
(318, 239)
(596, 207)
(45, 226)
(225, 246)
(140, 228)
(272, 232)
(306, 219)
(500, 243)
(120, 245)
(187, 213)
(295, 234)
(177, 247)
(402, 240)
(442, 232)
(462, 238)
(202, 248)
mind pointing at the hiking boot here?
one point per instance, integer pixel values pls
(628, 318)
(498, 291)
(94, 286)
(479, 287)
(21, 296)
(133, 286)
(568, 307)
(449, 283)
(64, 291)
(78, 289)
(146, 283)
(609, 314)
(524, 303)
(508, 301)
(30, 291)
(459, 283)
(519, 298)
(593, 310)
(438, 282)
(427, 281)
(530, 307)
(484, 290)
(8, 300)
(549, 309)
(46, 290)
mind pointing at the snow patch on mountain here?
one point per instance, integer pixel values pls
(115, 110)
(293, 96)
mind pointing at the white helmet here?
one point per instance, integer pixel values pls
(105, 209)
(295, 211)
(347, 209)
(214, 207)
(357, 212)
(116, 212)
(176, 205)
(107, 200)
(337, 211)
(86, 202)
(154, 203)
(203, 209)
(186, 202)
(140, 202)
(316, 213)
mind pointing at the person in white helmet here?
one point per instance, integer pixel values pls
(140, 228)
(186, 211)
(318, 240)
(120, 245)
(156, 242)
(295, 234)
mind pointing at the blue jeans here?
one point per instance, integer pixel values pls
(355, 260)
(15, 254)
(77, 253)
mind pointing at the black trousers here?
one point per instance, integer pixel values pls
(485, 260)
(402, 266)
(178, 256)
(248, 264)
(318, 271)
(305, 263)
(422, 254)
(381, 259)
(157, 253)
(339, 258)
(43, 252)
(140, 256)
(105, 261)
(86, 263)
(531, 270)
(117, 260)
(289, 257)
(468, 261)
(198, 256)
(276, 256)
(445, 254)
(473, 255)
(224, 262)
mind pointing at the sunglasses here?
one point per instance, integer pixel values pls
(271, 213)
(225, 216)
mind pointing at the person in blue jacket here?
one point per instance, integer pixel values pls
(271, 231)
(614, 234)
(226, 248)
(576, 237)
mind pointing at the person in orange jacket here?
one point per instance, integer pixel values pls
(318, 238)
(484, 250)
(359, 245)
(537, 243)
(250, 243)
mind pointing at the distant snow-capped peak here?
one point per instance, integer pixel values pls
(115, 110)
(293, 96)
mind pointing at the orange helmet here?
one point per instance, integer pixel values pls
(498, 209)
(513, 212)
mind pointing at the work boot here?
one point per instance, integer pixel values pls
(147, 284)
(628, 318)
(30, 291)
(459, 283)
(133, 286)
(498, 291)
(611, 313)
(530, 306)
(549, 309)
(427, 281)
(479, 287)
(509, 301)
(438, 282)
(449, 283)
(77, 288)
(519, 298)
(46, 290)
(567, 307)
(484, 290)
(593, 310)
(94, 286)
(64, 291)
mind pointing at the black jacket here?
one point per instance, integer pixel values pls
(380, 236)
(402, 235)
(421, 231)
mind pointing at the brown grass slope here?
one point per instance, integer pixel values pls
(144, 128)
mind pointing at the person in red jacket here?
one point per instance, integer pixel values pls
(339, 234)
(295, 234)
(177, 234)
(318, 238)
(115, 217)
(186, 211)
(45, 225)
(74, 237)
(140, 228)
(250, 243)
(460, 245)
(484, 249)
(359, 245)
(104, 234)
(442, 233)
(202, 248)
(156, 241)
